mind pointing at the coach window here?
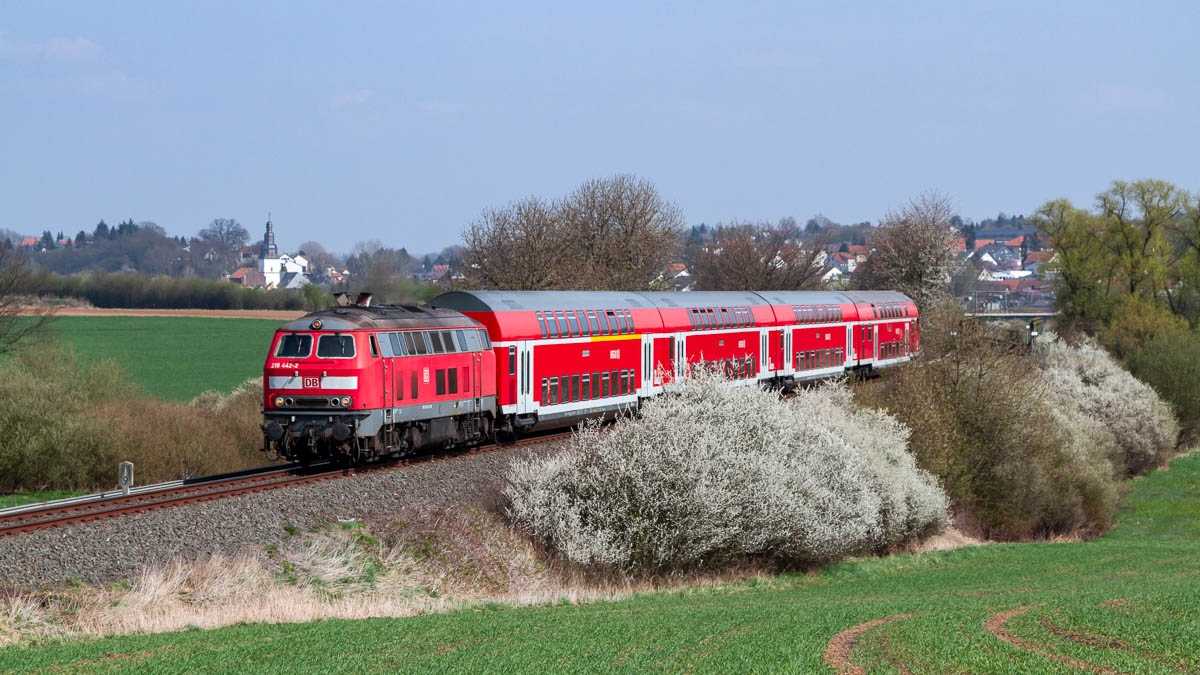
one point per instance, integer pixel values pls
(335, 347)
(621, 321)
(541, 324)
(512, 360)
(595, 385)
(574, 387)
(294, 346)
(585, 387)
(435, 340)
(603, 385)
(574, 324)
(453, 383)
(583, 324)
(441, 382)
(563, 329)
(629, 318)
(593, 324)
(553, 392)
(545, 391)
(551, 324)
(604, 330)
(692, 318)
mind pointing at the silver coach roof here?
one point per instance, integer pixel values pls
(503, 301)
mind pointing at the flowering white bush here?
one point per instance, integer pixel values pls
(1140, 423)
(710, 474)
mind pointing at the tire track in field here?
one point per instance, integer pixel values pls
(841, 647)
(997, 624)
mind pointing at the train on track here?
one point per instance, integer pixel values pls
(357, 382)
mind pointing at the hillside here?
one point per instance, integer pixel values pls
(1124, 602)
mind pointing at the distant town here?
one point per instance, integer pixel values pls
(1003, 261)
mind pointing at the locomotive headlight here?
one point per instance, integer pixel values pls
(345, 401)
(287, 401)
(333, 402)
(278, 401)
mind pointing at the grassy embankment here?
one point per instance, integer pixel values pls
(173, 358)
(1126, 602)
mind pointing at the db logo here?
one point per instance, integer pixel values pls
(312, 383)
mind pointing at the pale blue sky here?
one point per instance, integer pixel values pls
(401, 122)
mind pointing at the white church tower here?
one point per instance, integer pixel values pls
(269, 262)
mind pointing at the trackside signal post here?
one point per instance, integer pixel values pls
(125, 476)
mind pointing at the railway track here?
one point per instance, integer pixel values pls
(111, 504)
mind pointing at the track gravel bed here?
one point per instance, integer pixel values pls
(111, 549)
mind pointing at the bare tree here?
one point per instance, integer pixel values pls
(226, 231)
(13, 284)
(319, 258)
(622, 232)
(747, 257)
(911, 250)
(522, 246)
(226, 236)
(611, 233)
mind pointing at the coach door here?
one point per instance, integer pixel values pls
(524, 377)
(663, 364)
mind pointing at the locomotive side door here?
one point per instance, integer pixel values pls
(476, 376)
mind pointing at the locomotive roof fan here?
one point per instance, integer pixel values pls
(363, 299)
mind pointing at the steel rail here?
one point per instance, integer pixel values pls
(32, 517)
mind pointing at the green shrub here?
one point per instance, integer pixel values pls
(1170, 363)
(69, 423)
(1016, 461)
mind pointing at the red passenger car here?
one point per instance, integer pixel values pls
(358, 382)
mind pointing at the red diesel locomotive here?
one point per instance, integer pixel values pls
(356, 382)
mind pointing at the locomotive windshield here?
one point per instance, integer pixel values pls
(294, 346)
(335, 347)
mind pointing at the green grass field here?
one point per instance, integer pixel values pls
(173, 358)
(1127, 602)
(24, 498)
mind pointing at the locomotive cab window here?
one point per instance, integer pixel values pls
(335, 347)
(435, 339)
(483, 337)
(294, 346)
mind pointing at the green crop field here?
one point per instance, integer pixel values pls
(173, 357)
(1126, 602)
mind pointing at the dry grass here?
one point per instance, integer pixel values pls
(433, 561)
